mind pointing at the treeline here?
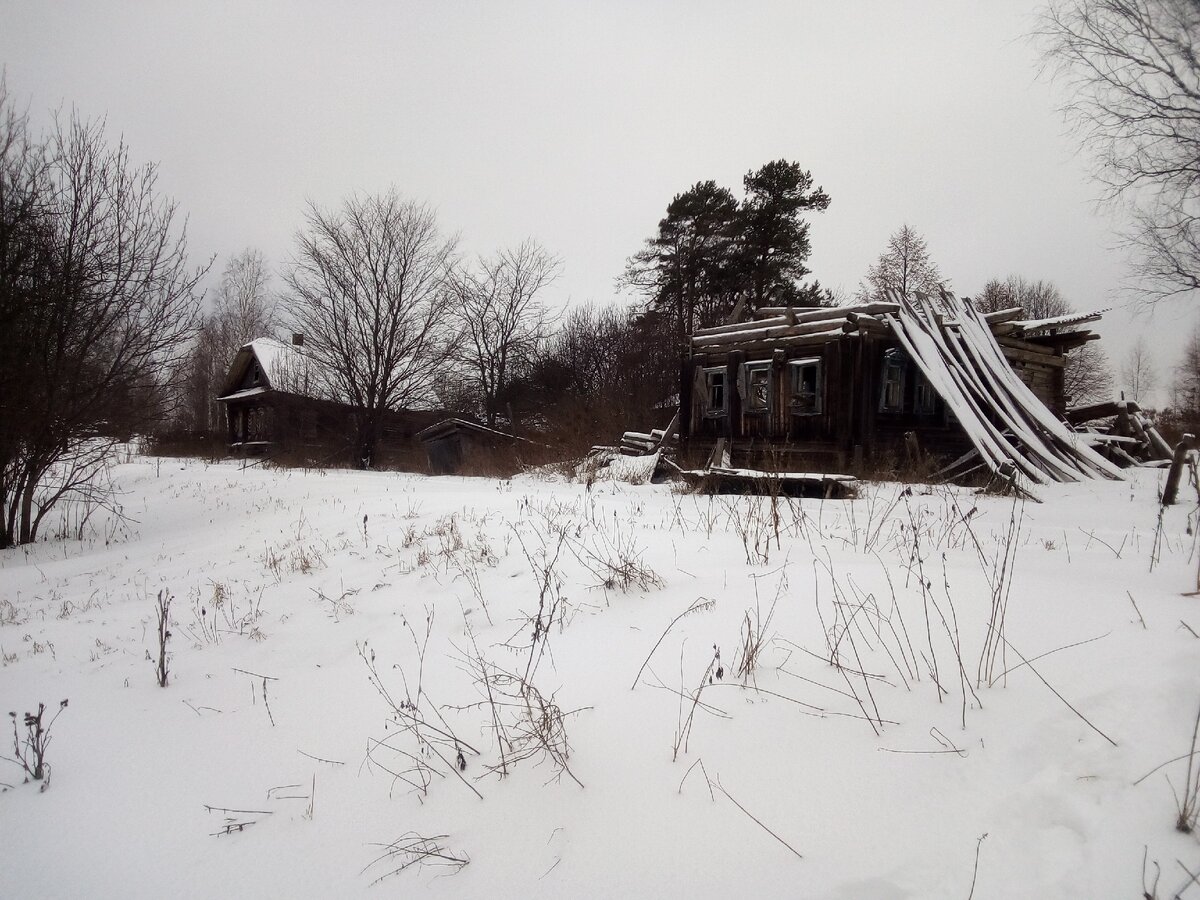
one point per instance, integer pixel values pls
(394, 317)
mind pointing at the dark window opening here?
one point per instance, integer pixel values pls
(805, 386)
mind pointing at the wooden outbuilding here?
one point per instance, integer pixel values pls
(855, 387)
(457, 446)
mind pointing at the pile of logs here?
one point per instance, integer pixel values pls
(1120, 431)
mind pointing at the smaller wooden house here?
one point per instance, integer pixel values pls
(276, 402)
(833, 389)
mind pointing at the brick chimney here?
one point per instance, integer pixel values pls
(297, 340)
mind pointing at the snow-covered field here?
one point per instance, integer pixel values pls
(338, 638)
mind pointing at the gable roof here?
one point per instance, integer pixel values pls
(285, 368)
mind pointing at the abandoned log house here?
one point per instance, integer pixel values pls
(276, 402)
(857, 387)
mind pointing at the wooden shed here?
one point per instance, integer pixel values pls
(833, 389)
(456, 446)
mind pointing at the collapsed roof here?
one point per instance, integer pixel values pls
(956, 348)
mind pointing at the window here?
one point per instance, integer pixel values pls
(805, 378)
(892, 398)
(714, 392)
(758, 387)
(923, 396)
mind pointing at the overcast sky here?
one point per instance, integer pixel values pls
(575, 123)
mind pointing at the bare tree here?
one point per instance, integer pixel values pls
(244, 308)
(1133, 75)
(498, 307)
(1087, 378)
(905, 266)
(1039, 299)
(96, 308)
(1185, 391)
(1138, 373)
(367, 288)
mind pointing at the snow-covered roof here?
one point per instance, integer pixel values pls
(285, 368)
(1028, 326)
(276, 358)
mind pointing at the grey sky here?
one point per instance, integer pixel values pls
(575, 123)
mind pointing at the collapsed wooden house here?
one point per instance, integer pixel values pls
(834, 389)
(277, 401)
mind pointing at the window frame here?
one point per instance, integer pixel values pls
(711, 412)
(893, 361)
(750, 368)
(924, 396)
(795, 369)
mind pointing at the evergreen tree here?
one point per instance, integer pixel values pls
(774, 238)
(710, 251)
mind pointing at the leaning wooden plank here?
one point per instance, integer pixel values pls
(963, 370)
(1058, 456)
(1033, 466)
(920, 347)
(1085, 457)
(992, 395)
(976, 330)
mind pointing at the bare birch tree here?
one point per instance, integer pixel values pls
(499, 308)
(366, 287)
(244, 308)
(1139, 375)
(1132, 73)
(905, 266)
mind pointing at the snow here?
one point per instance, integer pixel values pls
(314, 568)
(275, 357)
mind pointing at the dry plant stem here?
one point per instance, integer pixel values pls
(1052, 652)
(707, 780)
(414, 850)
(975, 871)
(1192, 877)
(1189, 803)
(700, 604)
(684, 727)
(32, 759)
(717, 784)
(1001, 584)
(163, 612)
(1136, 610)
(1149, 892)
(1067, 703)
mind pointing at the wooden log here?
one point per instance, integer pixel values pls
(1171, 489)
(767, 334)
(803, 340)
(804, 314)
(1004, 315)
(1081, 414)
(742, 326)
(864, 322)
(1162, 450)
